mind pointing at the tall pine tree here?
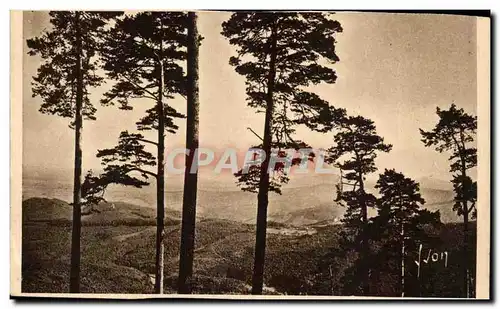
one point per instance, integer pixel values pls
(144, 54)
(455, 133)
(280, 54)
(63, 81)
(192, 142)
(399, 224)
(356, 146)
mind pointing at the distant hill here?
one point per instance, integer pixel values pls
(308, 205)
(45, 209)
(442, 200)
(310, 215)
(127, 214)
(306, 198)
(60, 212)
(434, 183)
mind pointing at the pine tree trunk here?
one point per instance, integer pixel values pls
(190, 179)
(365, 284)
(465, 251)
(160, 187)
(331, 279)
(466, 234)
(465, 213)
(74, 285)
(260, 239)
(402, 260)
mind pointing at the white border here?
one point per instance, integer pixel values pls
(186, 4)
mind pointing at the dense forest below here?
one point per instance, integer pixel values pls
(118, 255)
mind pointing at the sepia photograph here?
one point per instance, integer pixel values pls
(250, 154)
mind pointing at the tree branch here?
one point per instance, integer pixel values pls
(255, 133)
(143, 97)
(140, 87)
(143, 140)
(471, 207)
(143, 171)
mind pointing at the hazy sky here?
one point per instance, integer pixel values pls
(394, 69)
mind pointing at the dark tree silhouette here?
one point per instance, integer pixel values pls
(190, 178)
(279, 54)
(400, 222)
(143, 54)
(454, 133)
(70, 62)
(354, 152)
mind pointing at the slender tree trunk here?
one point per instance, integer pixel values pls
(466, 234)
(402, 259)
(190, 179)
(463, 167)
(365, 284)
(331, 279)
(465, 252)
(74, 284)
(260, 239)
(160, 187)
(466, 246)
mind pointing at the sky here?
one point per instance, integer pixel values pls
(394, 69)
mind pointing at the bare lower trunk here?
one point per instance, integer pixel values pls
(331, 279)
(262, 199)
(74, 284)
(365, 284)
(466, 232)
(365, 270)
(160, 189)
(190, 179)
(465, 209)
(466, 253)
(402, 260)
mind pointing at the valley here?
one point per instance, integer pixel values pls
(118, 253)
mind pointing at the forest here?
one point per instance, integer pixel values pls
(386, 243)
